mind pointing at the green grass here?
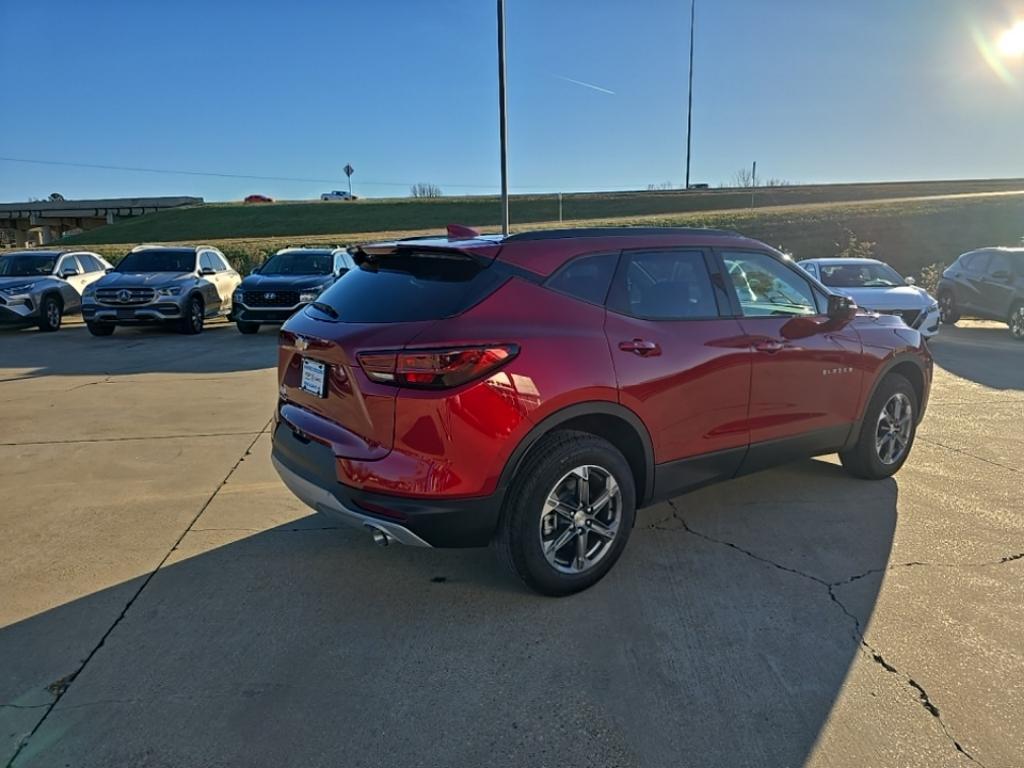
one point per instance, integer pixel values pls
(301, 219)
(910, 234)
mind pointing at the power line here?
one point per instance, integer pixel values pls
(216, 174)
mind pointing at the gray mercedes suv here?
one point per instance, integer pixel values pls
(39, 287)
(173, 285)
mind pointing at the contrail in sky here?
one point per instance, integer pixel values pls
(585, 85)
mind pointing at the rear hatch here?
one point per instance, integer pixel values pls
(397, 291)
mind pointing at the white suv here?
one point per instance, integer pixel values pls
(337, 194)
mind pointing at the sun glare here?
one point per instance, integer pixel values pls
(1011, 42)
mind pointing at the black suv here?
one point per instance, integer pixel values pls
(286, 282)
(987, 283)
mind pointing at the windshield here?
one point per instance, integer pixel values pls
(158, 261)
(299, 263)
(866, 275)
(27, 264)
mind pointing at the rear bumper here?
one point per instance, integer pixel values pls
(309, 469)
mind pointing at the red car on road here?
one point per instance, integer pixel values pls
(259, 199)
(535, 390)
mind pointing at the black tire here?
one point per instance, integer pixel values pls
(247, 328)
(51, 308)
(191, 322)
(100, 329)
(521, 529)
(1016, 321)
(865, 459)
(948, 312)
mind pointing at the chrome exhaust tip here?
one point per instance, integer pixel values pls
(380, 538)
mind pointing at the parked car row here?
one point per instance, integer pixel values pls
(178, 286)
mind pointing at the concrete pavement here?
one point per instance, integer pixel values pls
(164, 601)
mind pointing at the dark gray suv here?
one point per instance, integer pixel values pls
(987, 283)
(174, 285)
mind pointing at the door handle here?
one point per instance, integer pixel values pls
(769, 345)
(641, 347)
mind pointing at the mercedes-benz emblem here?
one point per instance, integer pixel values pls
(124, 295)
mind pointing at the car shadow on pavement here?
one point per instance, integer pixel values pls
(966, 351)
(716, 641)
(73, 351)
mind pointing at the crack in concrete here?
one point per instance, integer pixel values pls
(59, 687)
(970, 455)
(858, 635)
(23, 706)
(918, 563)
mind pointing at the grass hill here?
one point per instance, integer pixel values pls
(912, 224)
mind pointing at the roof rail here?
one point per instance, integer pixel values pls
(561, 234)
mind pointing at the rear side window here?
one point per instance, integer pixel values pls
(663, 285)
(587, 277)
(411, 286)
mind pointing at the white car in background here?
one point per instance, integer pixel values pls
(876, 286)
(338, 194)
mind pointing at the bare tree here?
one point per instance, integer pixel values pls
(744, 177)
(425, 190)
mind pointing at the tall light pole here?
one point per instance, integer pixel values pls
(502, 122)
(689, 96)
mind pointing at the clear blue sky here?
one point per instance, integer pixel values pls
(405, 90)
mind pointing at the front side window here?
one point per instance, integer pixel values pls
(975, 262)
(765, 286)
(220, 262)
(67, 264)
(664, 285)
(206, 261)
(587, 277)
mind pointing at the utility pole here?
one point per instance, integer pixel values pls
(502, 122)
(689, 96)
(753, 182)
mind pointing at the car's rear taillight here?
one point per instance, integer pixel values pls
(435, 368)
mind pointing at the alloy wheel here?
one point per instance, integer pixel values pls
(52, 313)
(580, 519)
(895, 424)
(196, 315)
(1017, 322)
(945, 307)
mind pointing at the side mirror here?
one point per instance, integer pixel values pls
(841, 308)
(68, 272)
(909, 280)
(340, 271)
(206, 271)
(254, 271)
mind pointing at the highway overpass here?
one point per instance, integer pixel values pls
(46, 221)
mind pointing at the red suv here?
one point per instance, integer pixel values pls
(535, 390)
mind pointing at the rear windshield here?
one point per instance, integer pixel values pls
(413, 286)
